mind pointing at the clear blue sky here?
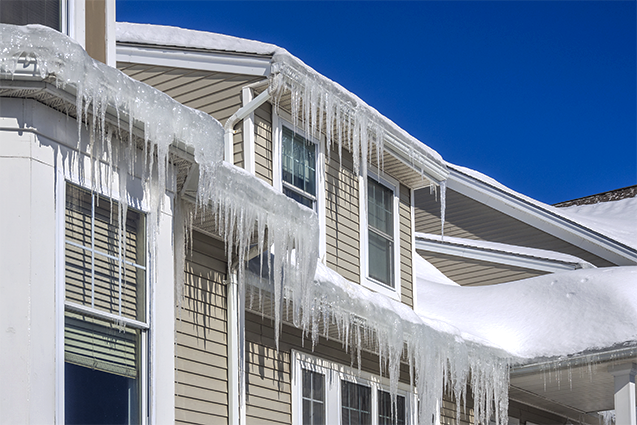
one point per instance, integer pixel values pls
(539, 95)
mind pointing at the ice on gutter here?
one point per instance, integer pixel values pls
(483, 249)
(241, 202)
(319, 101)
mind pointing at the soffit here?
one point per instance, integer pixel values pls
(577, 391)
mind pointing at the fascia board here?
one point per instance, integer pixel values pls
(474, 253)
(190, 59)
(542, 219)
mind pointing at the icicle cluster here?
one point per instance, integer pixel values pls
(323, 106)
(255, 219)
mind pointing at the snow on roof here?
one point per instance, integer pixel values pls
(346, 109)
(616, 223)
(163, 35)
(506, 248)
(547, 316)
(617, 219)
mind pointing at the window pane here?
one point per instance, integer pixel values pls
(21, 12)
(313, 398)
(380, 259)
(385, 416)
(298, 164)
(101, 372)
(355, 404)
(299, 198)
(380, 207)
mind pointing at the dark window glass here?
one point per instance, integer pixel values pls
(380, 220)
(385, 416)
(23, 12)
(313, 398)
(355, 404)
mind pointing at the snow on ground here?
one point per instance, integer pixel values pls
(552, 315)
(506, 248)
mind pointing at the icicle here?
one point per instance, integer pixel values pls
(443, 207)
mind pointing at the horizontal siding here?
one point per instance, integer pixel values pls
(201, 377)
(406, 282)
(342, 217)
(263, 142)
(237, 146)
(469, 272)
(467, 218)
(268, 377)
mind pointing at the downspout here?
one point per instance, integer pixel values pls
(242, 113)
(234, 305)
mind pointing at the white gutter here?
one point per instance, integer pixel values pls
(242, 113)
(515, 259)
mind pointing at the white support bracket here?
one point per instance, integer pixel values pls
(625, 410)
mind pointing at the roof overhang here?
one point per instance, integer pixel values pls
(541, 218)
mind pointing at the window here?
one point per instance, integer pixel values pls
(380, 235)
(105, 320)
(355, 404)
(313, 398)
(385, 416)
(298, 168)
(20, 12)
(324, 392)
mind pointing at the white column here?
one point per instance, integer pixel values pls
(625, 410)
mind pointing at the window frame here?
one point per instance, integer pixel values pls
(282, 119)
(366, 280)
(144, 327)
(335, 374)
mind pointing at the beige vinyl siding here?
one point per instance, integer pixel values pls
(268, 380)
(201, 378)
(470, 272)
(342, 217)
(406, 280)
(263, 142)
(467, 218)
(215, 93)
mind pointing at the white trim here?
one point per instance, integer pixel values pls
(193, 59)
(77, 21)
(248, 133)
(335, 373)
(541, 219)
(60, 287)
(111, 33)
(414, 292)
(492, 256)
(366, 281)
(278, 121)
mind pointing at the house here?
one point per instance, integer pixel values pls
(202, 229)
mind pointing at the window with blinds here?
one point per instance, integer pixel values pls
(105, 302)
(21, 12)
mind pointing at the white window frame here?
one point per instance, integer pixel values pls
(335, 373)
(279, 120)
(366, 280)
(64, 305)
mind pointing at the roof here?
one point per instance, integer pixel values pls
(613, 235)
(611, 195)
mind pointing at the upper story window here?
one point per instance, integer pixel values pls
(20, 12)
(380, 221)
(380, 235)
(298, 168)
(105, 319)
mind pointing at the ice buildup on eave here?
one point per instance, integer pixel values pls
(325, 106)
(240, 202)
